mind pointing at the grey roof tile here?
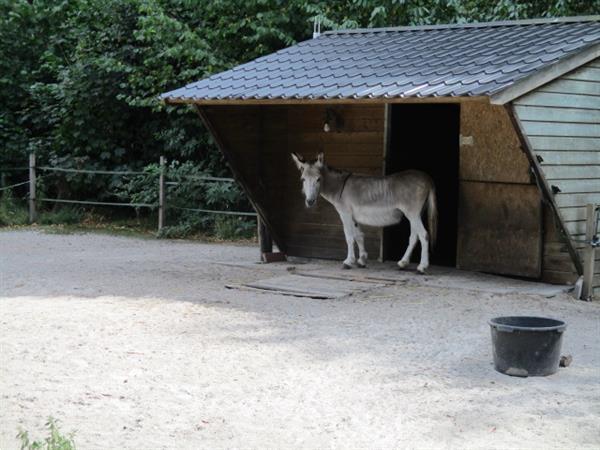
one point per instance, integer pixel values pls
(459, 60)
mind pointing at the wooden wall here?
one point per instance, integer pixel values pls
(261, 139)
(500, 210)
(562, 122)
(503, 225)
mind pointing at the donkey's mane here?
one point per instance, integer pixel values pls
(333, 169)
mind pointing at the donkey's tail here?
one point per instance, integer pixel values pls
(432, 217)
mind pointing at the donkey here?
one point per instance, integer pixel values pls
(373, 200)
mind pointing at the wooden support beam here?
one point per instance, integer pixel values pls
(543, 185)
(387, 130)
(232, 162)
(264, 238)
(590, 253)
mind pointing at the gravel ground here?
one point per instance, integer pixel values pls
(137, 344)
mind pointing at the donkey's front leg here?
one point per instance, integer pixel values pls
(349, 234)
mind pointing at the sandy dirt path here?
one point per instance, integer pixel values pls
(137, 344)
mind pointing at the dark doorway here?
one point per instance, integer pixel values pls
(426, 137)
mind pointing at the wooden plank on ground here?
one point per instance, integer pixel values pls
(315, 287)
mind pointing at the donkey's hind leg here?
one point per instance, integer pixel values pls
(348, 224)
(412, 241)
(417, 224)
(359, 237)
(417, 231)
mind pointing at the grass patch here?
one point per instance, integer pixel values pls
(91, 222)
(231, 227)
(12, 212)
(66, 215)
(213, 229)
(77, 220)
(56, 439)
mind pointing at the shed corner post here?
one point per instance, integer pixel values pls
(587, 290)
(265, 240)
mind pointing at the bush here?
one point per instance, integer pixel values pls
(11, 211)
(231, 227)
(191, 191)
(65, 215)
(55, 440)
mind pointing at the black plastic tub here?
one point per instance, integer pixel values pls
(526, 346)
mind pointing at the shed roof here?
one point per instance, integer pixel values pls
(481, 59)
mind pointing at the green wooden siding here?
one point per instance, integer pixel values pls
(562, 122)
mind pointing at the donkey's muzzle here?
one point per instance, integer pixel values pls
(310, 203)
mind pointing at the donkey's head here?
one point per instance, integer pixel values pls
(310, 174)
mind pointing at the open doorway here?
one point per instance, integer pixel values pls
(426, 137)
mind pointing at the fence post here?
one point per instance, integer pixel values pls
(32, 212)
(590, 253)
(161, 195)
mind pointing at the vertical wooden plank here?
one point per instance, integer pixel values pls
(264, 239)
(590, 253)
(161, 195)
(387, 115)
(32, 211)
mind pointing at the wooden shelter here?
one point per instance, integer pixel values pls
(505, 116)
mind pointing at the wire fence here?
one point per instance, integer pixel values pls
(11, 186)
(162, 184)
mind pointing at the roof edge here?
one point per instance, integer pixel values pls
(592, 18)
(546, 74)
(324, 101)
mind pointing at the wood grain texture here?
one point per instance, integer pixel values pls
(562, 122)
(501, 228)
(572, 86)
(563, 129)
(557, 263)
(495, 154)
(549, 114)
(572, 172)
(262, 138)
(356, 146)
(538, 98)
(591, 72)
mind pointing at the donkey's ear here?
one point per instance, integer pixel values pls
(321, 159)
(299, 160)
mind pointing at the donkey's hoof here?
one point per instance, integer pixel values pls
(346, 266)
(420, 271)
(361, 265)
(402, 264)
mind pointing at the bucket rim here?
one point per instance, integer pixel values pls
(560, 325)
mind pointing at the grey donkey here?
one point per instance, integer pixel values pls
(373, 200)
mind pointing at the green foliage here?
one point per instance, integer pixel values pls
(66, 215)
(12, 212)
(192, 191)
(56, 440)
(231, 227)
(80, 79)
